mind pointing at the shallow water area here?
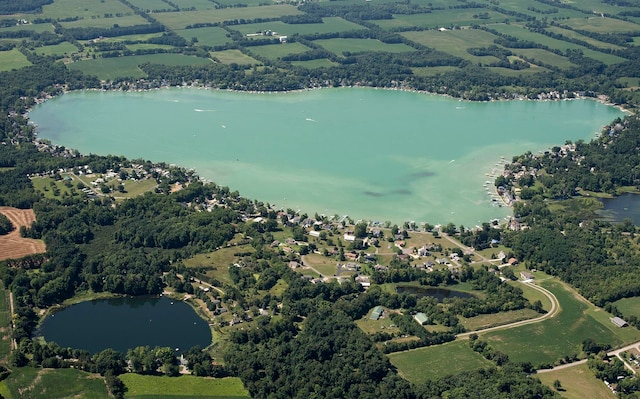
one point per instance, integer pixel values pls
(372, 154)
(625, 206)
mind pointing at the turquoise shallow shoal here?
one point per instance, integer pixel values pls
(372, 154)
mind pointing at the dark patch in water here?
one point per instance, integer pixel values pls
(418, 175)
(373, 194)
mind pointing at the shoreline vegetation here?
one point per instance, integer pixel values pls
(293, 294)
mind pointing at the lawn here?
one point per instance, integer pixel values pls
(147, 387)
(112, 68)
(12, 59)
(323, 264)
(34, 383)
(629, 306)
(218, 260)
(234, 57)
(434, 362)
(179, 20)
(577, 382)
(340, 46)
(563, 334)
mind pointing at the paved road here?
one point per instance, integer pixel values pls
(555, 309)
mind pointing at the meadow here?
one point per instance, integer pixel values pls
(629, 306)
(87, 10)
(563, 334)
(186, 386)
(12, 59)
(329, 24)
(28, 382)
(211, 36)
(441, 18)
(433, 362)
(341, 46)
(234, 57)
(112, 68)
(602, 25)
(275, 51)
(179, 20)
(63, 48)
(577, 382)
(5, 323)
(456, 42)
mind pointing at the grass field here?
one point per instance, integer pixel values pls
(329, 24)
(340, 46)
(602, 25)
(39, 28)
(84, 9)
(523, 5)
(578, 382)
(196, 4)
(456, 42)
(433, 362)
(179, 20)
(431, 71)
(629, 306)
(101, 22)
(561, 335)
(34, 383)
(234, 57)
(186, 386)
(441, 18)
(275, 51)
(312, 64)
(325, 265)
(57, 49)
(544, 57)
(575, 35)
(220, 260)
(497, 319)
(12, 59)
(212, 36)
(111, 68)
(151, 5)
(5, 324)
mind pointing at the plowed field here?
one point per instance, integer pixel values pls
(13, 246)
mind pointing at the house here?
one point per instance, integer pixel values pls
(349, 237)
(619, 322)
(376, 313)
(314, 233)
(421, 318)
(513, 261)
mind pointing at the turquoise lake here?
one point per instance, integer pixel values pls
(372, 154)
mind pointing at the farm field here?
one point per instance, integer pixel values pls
(329, 24)
(179, 20)
(28, 382)
(195, 4)
(12, 245)
(234, 57)
(275, 51)
(144, 387)
(602, 25)
(5, 323)
(84, 9)
(441, 18)
(341, 46)
(211, 36)
(561, 335)
(575, 35)
(111, 68)
(12, 59)
(57, 49)
(218, 261)
(544, 57)
(433, 362)
(491, 320)
(578, 382)
(456, 42)
(39, 28)
(102, 22)
(151, 5)
(312, 64)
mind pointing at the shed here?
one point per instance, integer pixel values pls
(526, 276)
(619, 322)
(421, 318)
(376, 313)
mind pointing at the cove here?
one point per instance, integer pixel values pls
(372, 154)
(625, 206)
(125, 323)
(439, 293)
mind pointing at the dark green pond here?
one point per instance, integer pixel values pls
(125, 323)
(439, 293)
(626, 206)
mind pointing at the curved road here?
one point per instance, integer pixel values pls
(555, 309)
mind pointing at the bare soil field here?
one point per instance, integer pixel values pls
(13, 246)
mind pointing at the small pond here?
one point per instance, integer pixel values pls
(439, 293)
(625, 206)
(125, 323)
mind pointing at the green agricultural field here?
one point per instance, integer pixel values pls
(111, 68)
(275, 51)
(456, 42)
(330, 24)
(517, 72)
(341, 46)
(629, 306)
(313, 64)
(544, 57)
(151, 5)
(219, 261)
(323, 264)
(179, 20)
(133, 188)
(522, 6)
(5, 324)
(563, 334)
(38, 28)
(212, 36)
(250, 3)
(577, 382)
(602, 25)
(433, 362)
(497, 319)
(34, 383)
(12, 59)
(575, 35)
(101, 22)
(432, 71)
(147, 387)
(441, 18)
(57, 49)
(234, 57)
(127, 38)
(148, 46)
(87, 10)
(532, 294)
(195, 4)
